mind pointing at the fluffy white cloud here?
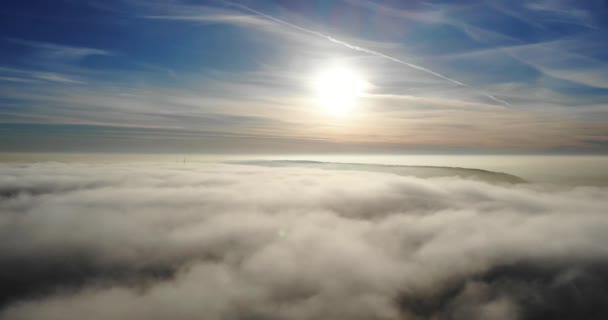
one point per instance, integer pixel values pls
(191, 241)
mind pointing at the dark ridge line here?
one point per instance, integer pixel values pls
(262, 162)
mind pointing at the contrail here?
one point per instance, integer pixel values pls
(356, 48)
(495, 99)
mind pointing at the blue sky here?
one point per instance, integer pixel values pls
(234, 76)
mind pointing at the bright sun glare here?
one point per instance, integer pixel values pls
(338, 88)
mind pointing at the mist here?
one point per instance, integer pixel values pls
(217, 241)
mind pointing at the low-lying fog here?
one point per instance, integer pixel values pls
(190, 240)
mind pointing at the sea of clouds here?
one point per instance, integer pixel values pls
(212, 241)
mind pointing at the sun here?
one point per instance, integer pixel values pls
(338, 88)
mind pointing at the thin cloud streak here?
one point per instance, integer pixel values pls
(61, 50)
(35, 76)
(217, 18)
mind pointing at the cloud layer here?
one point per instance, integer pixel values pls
(192, 241)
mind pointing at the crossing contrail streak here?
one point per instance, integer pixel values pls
(356, 48)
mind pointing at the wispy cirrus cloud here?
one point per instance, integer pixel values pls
(562, 11)
(53, 77)
(49, 62)
(566, 59)
(553, 55)
(433, 69)
(387, 120)
(58, 51)
(36, 76)
(244, 20)
(267, 22)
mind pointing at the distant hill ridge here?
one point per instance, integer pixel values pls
(402, 170)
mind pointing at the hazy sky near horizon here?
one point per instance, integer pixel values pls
(237, 76)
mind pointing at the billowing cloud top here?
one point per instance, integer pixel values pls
(205, 241)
